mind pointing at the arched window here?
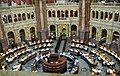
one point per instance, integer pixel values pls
(93, 32)
(97, 13)
(93, 14)
(11, 39)
(76, 13)
(32, 33)
(58, 13)
(52, 32)
(9, 18)
(53, 13)
(101, 17)
(110, 15)
(19, 17)
(116, 16)
(28, 15)
(71, 13)
(32, 15)
(73, 30)
(23, 16)
(66, 13)
(104, 33)
(49, 14)
(62, 13)
(106, 15)
(22, 35)
(5, 20)
(15, 18)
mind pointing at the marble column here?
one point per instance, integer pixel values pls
(109, 36)
(3, 38)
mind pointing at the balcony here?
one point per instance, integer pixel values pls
(106, 4)
(18, 6)
(19, 24)
(59, 4)
(63, 19)
(107, 23)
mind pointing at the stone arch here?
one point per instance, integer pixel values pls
(116, 16)
(15, 18)
(11, 39)
(23, 16)
(97, 14)
(76, 13)
(52, 31)
(101, 15)
(49, 14)
(19, 17)
(66, 13)
(53, 14)
(32, 34)
(9, 18)
(22, 35)
(71, 13)
(58, 13)
(103, 35)
(94, 32)
(93, 14)
(73, 30)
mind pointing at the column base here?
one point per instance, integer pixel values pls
(4, 44)
(84, 35)
(44, 34)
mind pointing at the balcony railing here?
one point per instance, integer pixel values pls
(106, 4)
(69, 3)
(18, 6)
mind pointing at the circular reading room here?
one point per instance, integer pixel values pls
(59, 37)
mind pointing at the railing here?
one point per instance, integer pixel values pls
(69, 3)
(18, 6)
(106, 4)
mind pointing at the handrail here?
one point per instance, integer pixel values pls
(106, 4)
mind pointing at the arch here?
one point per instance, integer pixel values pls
(49, 14)
(32, 34)
(66, 13)
(116, 16)
(28, 15)
(15, 18)
(71, 13)
(19, 17)
(110, 15)
(58, 13)
(101, 15)
(5, 20)
(52, 31)
(62, 13)
(22, 35)
(103, 36)
(76, 13)
(53, 13)
(32, 15)
(23, 16)
(115, 35)
(9, 18)
(11, 39)
(106, 15)
(93, 32)
(93, 14)
(97, 13)
(73, 30)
